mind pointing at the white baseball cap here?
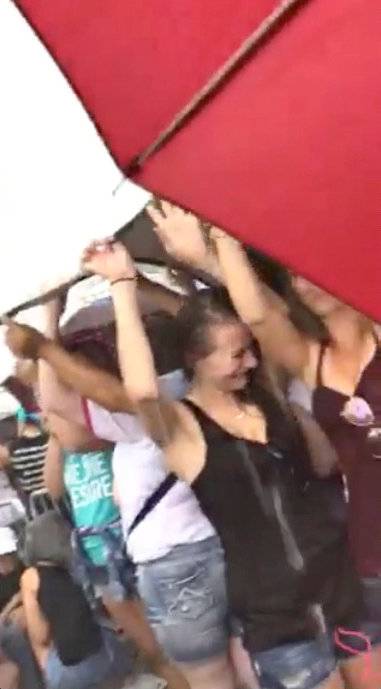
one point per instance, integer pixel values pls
(8, 541)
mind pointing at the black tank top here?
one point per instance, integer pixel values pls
(286, 555)
(75, 634)
(359, 451)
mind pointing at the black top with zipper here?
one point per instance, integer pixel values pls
(286, 553)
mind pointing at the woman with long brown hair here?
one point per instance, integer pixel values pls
(336, 353)
(289, 576)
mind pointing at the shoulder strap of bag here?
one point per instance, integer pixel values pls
(153, 500)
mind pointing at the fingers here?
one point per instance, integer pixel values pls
(168, 208)
(95, 248)
(163, 236)
(154, 214)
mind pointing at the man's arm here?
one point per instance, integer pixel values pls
(72, 370)
(84, 378)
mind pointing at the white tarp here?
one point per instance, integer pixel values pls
(57, 179)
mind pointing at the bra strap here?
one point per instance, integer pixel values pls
(319, 368)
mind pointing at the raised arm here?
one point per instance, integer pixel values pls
(55, 396)
(112, 261)
(75, 372)
(183, 238)
(263, 311)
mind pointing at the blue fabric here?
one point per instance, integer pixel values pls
(116, 578)
(23, 415)
(114, 660)
(88, 481)
(184, 594)
(303, 665)
(16, 647)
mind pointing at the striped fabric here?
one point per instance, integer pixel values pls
(27, 461)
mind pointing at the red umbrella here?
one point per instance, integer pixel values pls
(285, 153)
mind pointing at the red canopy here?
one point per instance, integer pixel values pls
(286, 154)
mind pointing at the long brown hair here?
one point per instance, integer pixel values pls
(279, 279)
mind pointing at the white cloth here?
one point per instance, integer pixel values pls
(11, 507)
(138, 467)
(8, 542)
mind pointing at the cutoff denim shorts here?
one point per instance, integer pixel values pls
(308, 664)
(184, 594)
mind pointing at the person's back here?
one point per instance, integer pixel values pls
(74, 632)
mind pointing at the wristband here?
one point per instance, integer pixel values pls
(125, 279)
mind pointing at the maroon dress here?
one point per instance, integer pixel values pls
(359, 450)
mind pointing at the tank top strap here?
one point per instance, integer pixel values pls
(377, 341)
(210, 428)
(319, 369)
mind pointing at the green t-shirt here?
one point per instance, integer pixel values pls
(88, 481)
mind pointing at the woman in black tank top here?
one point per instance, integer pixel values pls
(289, 575)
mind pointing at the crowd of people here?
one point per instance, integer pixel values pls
(213, 475)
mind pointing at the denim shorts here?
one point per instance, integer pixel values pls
(308, 664)
(299, 665)
(114, 660)
(184, 594)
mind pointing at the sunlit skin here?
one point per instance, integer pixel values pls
(318, 300)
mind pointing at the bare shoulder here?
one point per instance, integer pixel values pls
(186, 453)
(30, 580)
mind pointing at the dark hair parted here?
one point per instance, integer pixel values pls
(213, 307)
(98, 346)
(200, 312)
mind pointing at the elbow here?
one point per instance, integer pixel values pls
(141, 394)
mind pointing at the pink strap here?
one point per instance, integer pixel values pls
(340, 631)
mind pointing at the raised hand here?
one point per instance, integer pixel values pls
(217, 233)
(109, 259)
(23, 341)
(180, 233)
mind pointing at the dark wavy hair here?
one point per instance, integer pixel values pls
(279, 279)
(196, 319)
(99, 345)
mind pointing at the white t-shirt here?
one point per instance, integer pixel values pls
(138, 467)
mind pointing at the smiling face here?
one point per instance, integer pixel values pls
(230, 357)
(320, 302)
